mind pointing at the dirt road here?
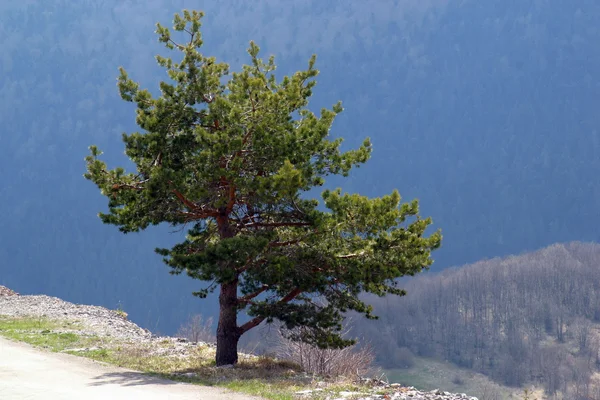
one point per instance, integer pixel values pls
(30, 374)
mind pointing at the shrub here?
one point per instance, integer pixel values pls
(197, 330)
(346, 362)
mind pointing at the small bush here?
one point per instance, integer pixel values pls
(347, 362)
(121, 313)
(457, 380)
(197, 330)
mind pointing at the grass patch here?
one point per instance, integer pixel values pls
(52, 341)
(22, 324)
(42, 333)
(287, 391)
(258, 376)
(263, 389)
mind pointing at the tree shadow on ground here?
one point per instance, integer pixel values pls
(130, 378)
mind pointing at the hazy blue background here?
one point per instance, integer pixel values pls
(486, 110)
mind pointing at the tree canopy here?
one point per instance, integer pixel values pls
(234, 158)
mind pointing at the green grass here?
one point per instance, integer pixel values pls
(25, 324)
(259, 388)
(260, 376)
(427, 374)
(40, 332)
(287, 390)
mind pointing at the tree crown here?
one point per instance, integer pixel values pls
(232, 155)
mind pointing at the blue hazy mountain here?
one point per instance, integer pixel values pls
(485, 110)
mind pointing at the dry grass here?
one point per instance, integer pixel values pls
(266, 377)
(200, 364)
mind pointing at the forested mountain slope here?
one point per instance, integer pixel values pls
(521, 320)
(484, 109)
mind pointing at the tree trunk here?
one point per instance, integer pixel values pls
(228, 333)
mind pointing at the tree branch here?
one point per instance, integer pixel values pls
(231, 202)
(186, 202)
(256, 321)
(283, 244)
(276, 224)
(250, 296)
(353, 255)
(196, 215)
(118, 186)
(196, 212)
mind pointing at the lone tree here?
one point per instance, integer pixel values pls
(233, 160)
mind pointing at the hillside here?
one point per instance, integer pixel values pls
(532, 319)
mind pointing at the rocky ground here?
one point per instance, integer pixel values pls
(94, 321)
(393, 391)
(111, 324)
(4, 291)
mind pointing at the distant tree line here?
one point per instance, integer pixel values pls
(526, 319)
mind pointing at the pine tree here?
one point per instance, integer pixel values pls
(233, 157)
